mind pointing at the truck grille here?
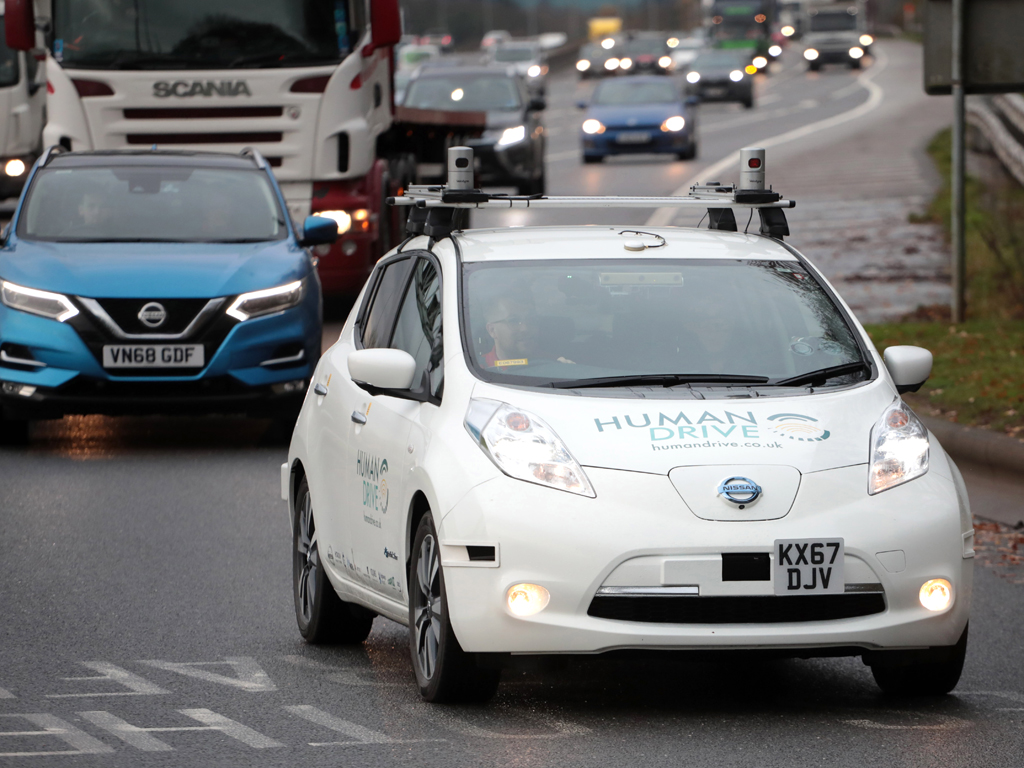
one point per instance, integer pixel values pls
(200, 113)
(251, 137)
(758, 609)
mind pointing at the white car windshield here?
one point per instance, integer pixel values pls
(138, 203)
(463, 93)
(555, 323)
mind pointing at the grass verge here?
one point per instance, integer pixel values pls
(978, 376)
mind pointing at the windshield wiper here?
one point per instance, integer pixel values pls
(822, 375)
(664, 379)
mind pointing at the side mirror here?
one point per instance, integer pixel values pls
(536, 105)
(20, 19)
(318, 230)
(581, 105)
(385, 25)
(909, 367)
(382, 368)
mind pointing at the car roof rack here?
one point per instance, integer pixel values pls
(437, 209)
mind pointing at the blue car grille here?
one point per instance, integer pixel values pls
(125, 312)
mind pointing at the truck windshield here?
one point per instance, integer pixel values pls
(8, 61)
(203, 34)
(464, 93)
(833, 22)
(140, 203)
(547, 323)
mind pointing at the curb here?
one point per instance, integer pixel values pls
(978, 446)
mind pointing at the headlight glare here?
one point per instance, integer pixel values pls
(674, 124)
(693, 77)
(512, 135)
(856, 53)
(592, 126)
(625, 62)
(736, 75)
(14, 167)
(899, 448)
(534, 71)
(775, 50)
(810, 54)
(256, 303)
(788, 30)
(611, 64)
(342, 218)
(55, 306)
(583, 65)
(523, 447)
(665, 62)
(866, 39)
(760, 62)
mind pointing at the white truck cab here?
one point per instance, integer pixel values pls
(22, 111)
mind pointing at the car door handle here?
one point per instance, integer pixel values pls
(358, 418)
(319, 389)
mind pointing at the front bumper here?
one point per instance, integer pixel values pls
(610, 142)
(834, 56)
(68, 377)
(724, 90)
(573, 546)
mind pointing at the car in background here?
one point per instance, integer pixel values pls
(493, 38)
(684, 49)
(487, 108)
(722, 75)
(142, 282)
(642, 114)
(646, 54)
(600, 58)
(835, 34)
(409, 57)
(439, 37)
(527, 58)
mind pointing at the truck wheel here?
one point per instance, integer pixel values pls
(444, 672)
(930, 678)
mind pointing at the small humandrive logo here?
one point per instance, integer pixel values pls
(390, 554)
(796, 426)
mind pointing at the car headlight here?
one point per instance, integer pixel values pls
(788, 30)
(736, 75)
(810, 54)
(899, 448)
(512, 135)
(674, 124)
(866, 39)
(760, 62)
(583, 65)
(665, 62)
(693, 77)
(856, 53)
(14, 167)
(55, 306)
(775, 50)
(342, 218)
(611, 64)
(625, 62)
(257, 303)
(533, 71)
(592, 126)
(522, 446)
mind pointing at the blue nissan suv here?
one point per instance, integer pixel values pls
(140, 282)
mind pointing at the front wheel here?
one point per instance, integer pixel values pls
(444, 672)
(929, 678)
(322, 616)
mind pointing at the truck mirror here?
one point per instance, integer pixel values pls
(385, 25)
(21, 25)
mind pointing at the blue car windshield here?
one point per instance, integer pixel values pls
(627, 91)
(151, 204)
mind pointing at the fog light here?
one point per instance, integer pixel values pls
(288, 387)
(14, 167)
(349, 247)
(25, 390)
(527, 599)
(750, 69)
(936, 594)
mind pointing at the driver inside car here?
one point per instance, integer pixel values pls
(514, 326)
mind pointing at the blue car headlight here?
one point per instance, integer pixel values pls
(267, 301)
(55, 306)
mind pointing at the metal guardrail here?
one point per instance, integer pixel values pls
(1001, 122)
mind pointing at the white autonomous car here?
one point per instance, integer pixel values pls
(579, 439)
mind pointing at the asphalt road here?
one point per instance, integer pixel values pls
(146, 614)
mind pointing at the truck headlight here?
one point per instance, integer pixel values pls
(257, 303)
(810, 54)
(342, 218)
(674, 124)
(55, 306)
(14, 167)
(899, 448)
(592, 126)
(512, 135)
(522, 446)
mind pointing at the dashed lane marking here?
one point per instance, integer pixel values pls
(5, 694)
(80, 742)
(249, 676)
(359, 733)
(137, 686)
(140, 738)
(458, 724)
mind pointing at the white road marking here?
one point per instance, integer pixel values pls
(448, 719)
(249, 676)
(5, 694)
(137, 686)
(842, 93)
(139, 738)
(81, 742)
(361, 734)
(947, 723)
(664, 216)
(342, 675)
(554, 157)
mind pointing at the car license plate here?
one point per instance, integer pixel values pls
(808, 567)
(633, 137)
(153, 356)
(714, 92)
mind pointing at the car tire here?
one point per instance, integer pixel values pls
(929, 678)
(322, 616)
(689, 153)
(444, 672)
(591, 159)
(814, 67)
(855, 64)
(748, 103)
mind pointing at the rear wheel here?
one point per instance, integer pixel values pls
(929, 678)
(689, 153)
(444, 672)
(322, 616)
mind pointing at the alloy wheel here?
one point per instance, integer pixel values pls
(427, 610)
